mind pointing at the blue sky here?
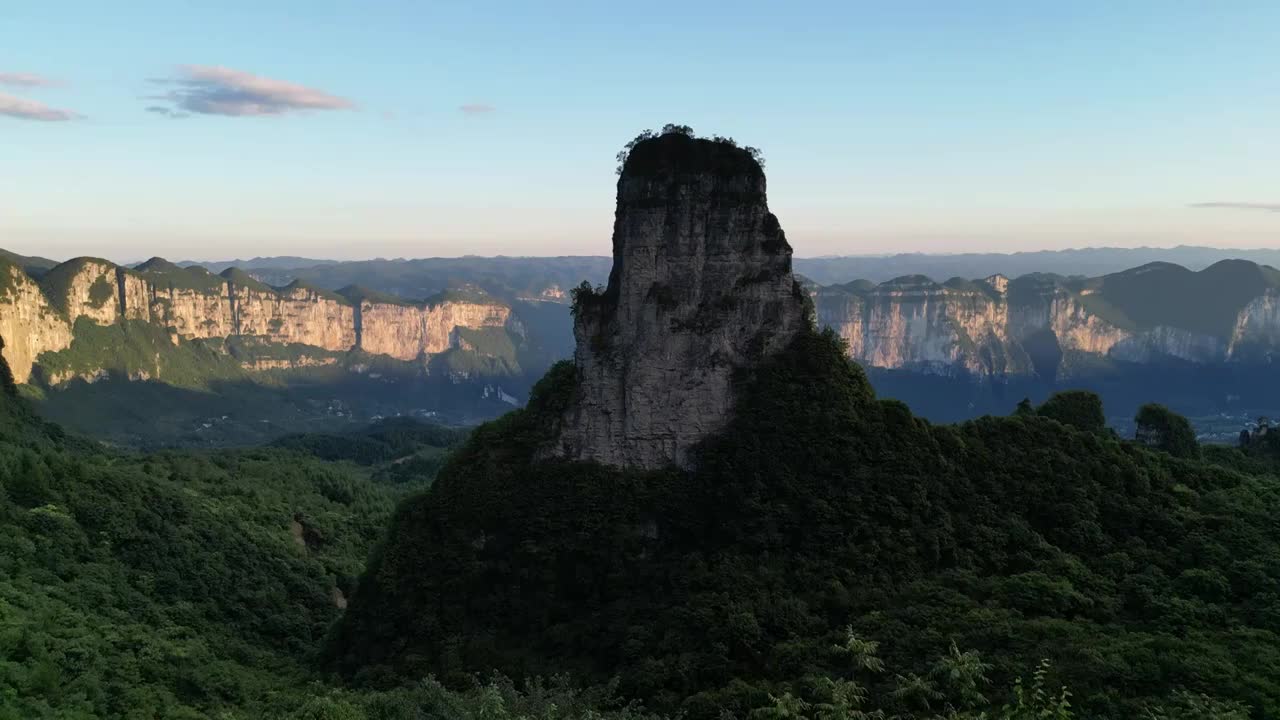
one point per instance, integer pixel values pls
(363, 129)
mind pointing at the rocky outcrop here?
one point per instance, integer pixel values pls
(913, 322)
(701, 286)
(193, 313)
(192, 304)
(407, 332)
(29, 324)
(1256, 336)
(998, 327)
(293, 315)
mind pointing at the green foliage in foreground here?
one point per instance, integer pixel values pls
(173, 585)
(1140, 576)
(200, 585)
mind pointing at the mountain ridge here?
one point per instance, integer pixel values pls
(40, 316)
(1152, 313)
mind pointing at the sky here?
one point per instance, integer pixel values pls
(386, 128)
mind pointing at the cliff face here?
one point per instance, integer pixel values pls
(293, 315)
(191, 304)
(28, 323)
(914, 322)
(1256, 335)
(193, 313)
(405, 332)
(701, 285)
(996, 327)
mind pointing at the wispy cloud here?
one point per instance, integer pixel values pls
(167, 112)
(477, 109)
(19, 79)
(214, 90)
(1269, 207)
(16, 107)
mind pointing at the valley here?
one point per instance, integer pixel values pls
(89, 338)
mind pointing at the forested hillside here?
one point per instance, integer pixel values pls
(823, 517)
(183, 585)
(794, 577)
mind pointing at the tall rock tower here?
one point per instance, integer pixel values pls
(701, 286)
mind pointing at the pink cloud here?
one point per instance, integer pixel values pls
(215, 90)
(16, 107)
(477, 108)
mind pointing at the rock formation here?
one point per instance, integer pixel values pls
(701, 286)
(1045, 325)
(192, 304)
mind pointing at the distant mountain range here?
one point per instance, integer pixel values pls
(428, 275)
(951, 347)
(1084, 261)
(87, 324)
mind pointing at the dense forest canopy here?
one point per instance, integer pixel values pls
(1138, 575)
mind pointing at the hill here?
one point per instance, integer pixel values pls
(216, 351)
(766, 549)
(1088, 262)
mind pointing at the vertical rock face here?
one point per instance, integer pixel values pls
(28, 323)
(1041, 324)
(193, 313)
(407, 331)
(701, 285)
(294, 315)
(1256, 336)
(192, 304)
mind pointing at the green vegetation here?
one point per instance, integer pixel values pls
(357, 294)
(7, 384)
(182, 585)
(1160, 428)
(101, 291)
(249, 348)
(1145, 579)
(492, 342)
(463, 294)
(10, 275)
(56, 282)
(138, 349)
(300, 284)
(676, 146)
(32, 266)
(385, 441)
(243, 279)
(1077, 408)
(472, 295)
(1098, 305)
(165, 274)
(1163, 294)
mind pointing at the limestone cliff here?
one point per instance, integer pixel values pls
(1041, 324)
(29, 324)
(295, 314)
(191, 304)
(406, 332)
(701, 286)
(914, 322)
